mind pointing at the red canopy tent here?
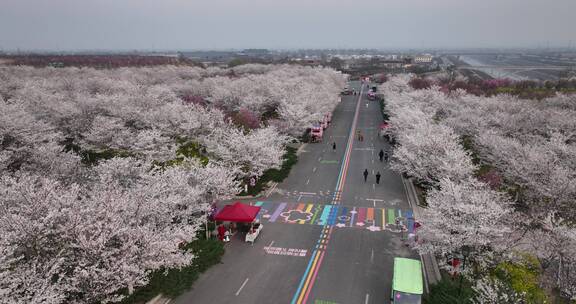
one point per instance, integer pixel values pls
(237, 212)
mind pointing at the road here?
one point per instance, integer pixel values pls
(328, 236)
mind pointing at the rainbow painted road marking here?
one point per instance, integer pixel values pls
(339, 216)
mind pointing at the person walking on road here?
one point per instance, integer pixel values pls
(378, 177)
(381, 154)
(334, 146)
(365, 174)
(386, 156)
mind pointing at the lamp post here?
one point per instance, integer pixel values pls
(465, 253)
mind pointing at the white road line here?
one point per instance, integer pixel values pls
(243, 284)
(307, 193)
(404, 181)
(374, 186)
(308, 181)
(271, 243)
(271, 189)
(372, 257)
(372, 161)
(372, 171)
(367, 299)
(300, 149)
(299, 198)
(374, 203)
(314, 170)
(319, 158)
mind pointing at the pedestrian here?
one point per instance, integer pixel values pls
(221, 232)
(386, 156)
(334, 146)
(381, 154)
(378, 177)
(361, 137)
(365, 174)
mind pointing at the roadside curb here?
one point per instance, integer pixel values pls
(431, 271)
(246, 197)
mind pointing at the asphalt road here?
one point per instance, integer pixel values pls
(328, 236)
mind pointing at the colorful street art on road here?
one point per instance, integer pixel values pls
(340, 216)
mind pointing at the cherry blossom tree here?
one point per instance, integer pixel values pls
(131, 212)
(529, 143)
(429, 152)
(464, 213)
(491, 290)
(253, 152)
(131, 219)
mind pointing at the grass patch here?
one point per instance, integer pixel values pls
(276, 175)
(174, 282)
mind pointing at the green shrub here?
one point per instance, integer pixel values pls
(523, 278)
(174, 282)
(447, 290)
(385, 115)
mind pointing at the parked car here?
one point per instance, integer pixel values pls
(407, 283)
(316, 133)
(346, 91)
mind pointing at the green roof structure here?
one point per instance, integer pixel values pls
(407, 276)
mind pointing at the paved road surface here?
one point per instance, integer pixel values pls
(328, 237)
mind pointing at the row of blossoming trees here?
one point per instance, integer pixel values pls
(500, 173)
(106, 173)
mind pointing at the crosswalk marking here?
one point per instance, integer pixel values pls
(308, 213)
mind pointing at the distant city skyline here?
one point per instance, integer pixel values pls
(108, 25)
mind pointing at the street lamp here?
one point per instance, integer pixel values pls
(465, 253)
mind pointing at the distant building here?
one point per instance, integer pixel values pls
(423, 59)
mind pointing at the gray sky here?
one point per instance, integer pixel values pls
(220, 24)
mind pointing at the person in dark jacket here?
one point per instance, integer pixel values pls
(365, 174)
(381, 154)
(378, 177)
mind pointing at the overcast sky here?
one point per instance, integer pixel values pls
(221, 24)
